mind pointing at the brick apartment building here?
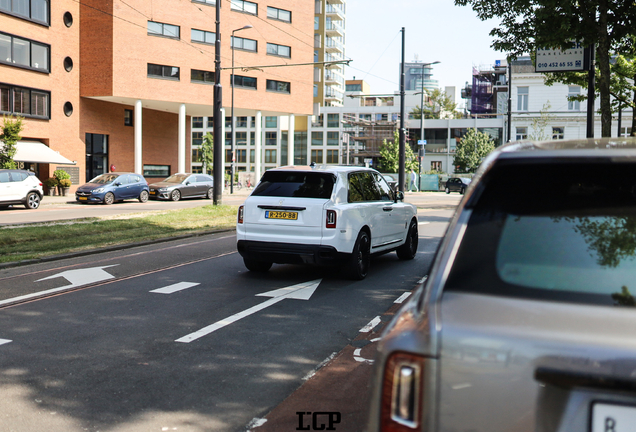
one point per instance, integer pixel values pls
(112, 85)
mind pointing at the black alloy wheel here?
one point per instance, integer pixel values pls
(409, 249)
(361, 257)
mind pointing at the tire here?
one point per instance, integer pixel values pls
(175, 195)
(109, 198)
(32, 201)
(461, 192)
(143, 196)
(361, 257)
(447, 190)
(257, 266)
(210, 194)
(409, 249)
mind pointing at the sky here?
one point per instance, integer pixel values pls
(436, 30)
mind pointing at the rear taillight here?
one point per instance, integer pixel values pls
(240, 214)
(331, 219)
(402, 392)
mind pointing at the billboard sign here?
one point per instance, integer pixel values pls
(556, 60)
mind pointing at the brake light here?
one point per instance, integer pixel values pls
(331, 219)
(240, 214)
(402, 392)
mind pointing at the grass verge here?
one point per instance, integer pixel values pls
(41, 240)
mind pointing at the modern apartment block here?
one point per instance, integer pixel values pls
(418, 75)
(113, 85)
(329, 45)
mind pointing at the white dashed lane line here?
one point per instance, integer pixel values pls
(175, 287)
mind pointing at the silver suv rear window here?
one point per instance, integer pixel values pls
(560, 231)
(295, 184)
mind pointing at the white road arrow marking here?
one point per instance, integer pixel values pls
(302, 291)
(5, 341)
(175, 287)
(75, 277)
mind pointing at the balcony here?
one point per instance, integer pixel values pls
(333, 46)
(335, 12)
(334, 30)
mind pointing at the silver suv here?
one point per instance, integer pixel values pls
(526, 321)
(20, 187)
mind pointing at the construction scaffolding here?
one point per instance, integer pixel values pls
(365, 137)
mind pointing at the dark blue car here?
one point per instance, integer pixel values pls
(111, 187)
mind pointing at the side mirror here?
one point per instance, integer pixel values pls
(399, 196)
(117, 183)
(187, 183)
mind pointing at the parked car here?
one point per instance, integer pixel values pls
(20, 187)
(457, 184)
(392, 180)
(185, 185)
(338, 216)
(111, 187)
(526, 320)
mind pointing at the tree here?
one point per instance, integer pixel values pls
(390, 155)
(207, 152)
(539, 124)
(472, 149)
(438, 106)
(11, 128)
(528, 24)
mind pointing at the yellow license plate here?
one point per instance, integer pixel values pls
(152, 192)
(281, 215)
(83, 198)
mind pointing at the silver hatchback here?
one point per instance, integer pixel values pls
(527, 319)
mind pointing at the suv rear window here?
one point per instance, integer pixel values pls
(559, 231)
(295, 184)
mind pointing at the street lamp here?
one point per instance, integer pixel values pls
(419, 158)
(248, 26)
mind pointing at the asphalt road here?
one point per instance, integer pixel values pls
(114, 341)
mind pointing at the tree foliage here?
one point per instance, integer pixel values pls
(438, 106)
(11, 128)
(207, 152)
(471, 150)
(539, 124)
(390, 155)
(528, 24)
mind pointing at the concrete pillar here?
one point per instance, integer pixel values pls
(181, 155)
(290, 140)
(138, 153)
(258, 146)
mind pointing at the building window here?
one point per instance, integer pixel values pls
(316, 139)
(196, 155)
(241, 156)
(436, 166)
(228, 122)
(332, 156)
(128, 117)
(558, 133)
(156, 170)
(197, 122)
(160, 71)
(278, 14)
(210, 122)
(278, 86)
(245, 6)
(241, 138)
(34, 10)
(96, 155)
(243, 81)
(333, 120)
(25, 101)
(17, 51)
(278, 50)
(202, 36)
(521, 134)
(207, 2)
(228, 156)
(316, 23)
(270, 138)
(333, 138)
(382, 117)
(574, 105)
(316, 156)
(522, 98)
(200, 76)
(244, 44)
(197, 138)
(270, 156)
(241, 122)
(271, 121)
(162, 29)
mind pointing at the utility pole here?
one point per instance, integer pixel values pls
(402, 147)
(218, 101)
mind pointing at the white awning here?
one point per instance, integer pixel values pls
(36, 152)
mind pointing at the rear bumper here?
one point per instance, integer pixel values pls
(289, 253)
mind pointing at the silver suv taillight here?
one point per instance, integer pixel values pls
(331, 219)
